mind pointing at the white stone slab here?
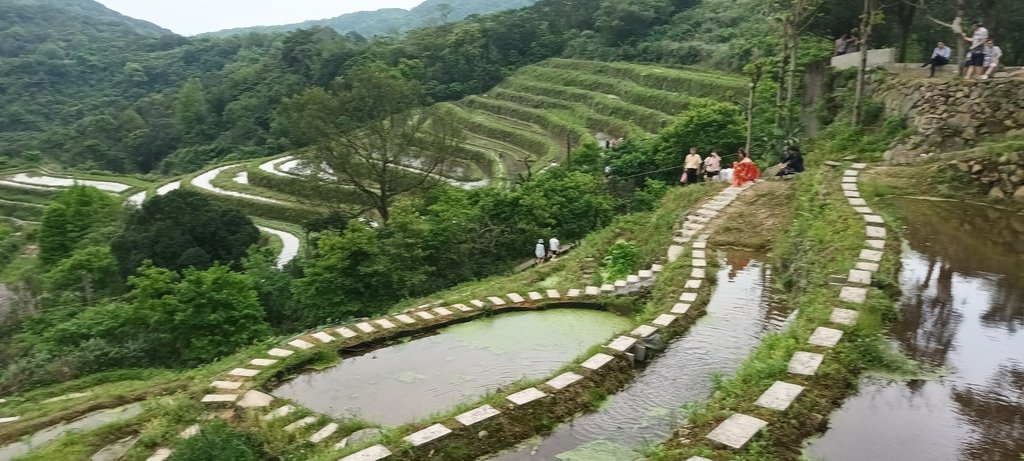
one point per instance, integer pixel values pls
(805, 363)
(496, 300)
(573, 293)
(374, 453)
(859, 276)
(441, 311)
(385, 323)
(279, 412)
(874, 219)
(300, 344)
(262, 362)
(345, 332)
(596, 361)
(255, 399)
(278, 352)
(848, 186)
(219, 398)
(859, 166)
(189, 432)
(680, 308)
(622, 343)
(698, 273)
(849, 179)
(592, 290)
(323, 433)
(693, 284)
(607, 288)
(863, 210)
(697, 458)
(688, 297)
(516, 298)
(853, 295)
(866, 266)
(674, 252)
(664, 320)
(699, 254)
(700, 245)
(534, 296)
(700, 263)
(160, 454)
(632, 278)
(229, 385)
(857, 202)
(693, 226)
(620, 283)
(463, 307)
(526, 396)
(844, 316)
(564, 380)
(645, 274)
(244, 372)
(825, 337)
(851, 173)
(478, 303)
(737, 430)
(851, 194)
(875, 232)
(553, 294)
(643, 331)
(300, 424)
(9, 419)
(476, 415)
(779, 396)
(365, 327)
(424, 315)
(405, 319)
(871, 255)
(875, 244)
(323, 337)
(427, 435)
(706, 212)
(657, 268)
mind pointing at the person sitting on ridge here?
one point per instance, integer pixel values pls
(744, 169)
(992, 55)
(793, 163)
(940, 57)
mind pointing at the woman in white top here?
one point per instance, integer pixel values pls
(539, 252)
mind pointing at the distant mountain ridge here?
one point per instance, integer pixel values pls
(392, 20)
(94, 10)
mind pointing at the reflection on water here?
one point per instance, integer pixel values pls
(739, 314)
(407, 382)
(962, 311)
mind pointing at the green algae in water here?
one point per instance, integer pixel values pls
(601, 450)
(506, 333)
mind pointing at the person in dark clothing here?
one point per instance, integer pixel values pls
(940, 57)
(794, 162)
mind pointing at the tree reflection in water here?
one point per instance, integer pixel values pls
(996, 412)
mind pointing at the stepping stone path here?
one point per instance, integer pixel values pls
(476, 415)
(805, 363)
(780, 396)
(737, 430)
(427, 435)
(374, 453)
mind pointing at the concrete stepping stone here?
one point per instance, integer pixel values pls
(160, 454)
(859, 166)
(851, 194)
(424, 315)
(693, 226)
(688, 297)
(592, 290)
(526, 396)
(851, 173)
(365, 327)
(699, 254)
(374, 453)
(703, 237)
(848, 186)
(805, 363)
(698, 273)
(463, 308)
(779, 396)
(693, 284)
(714, 207)
(478, 303)
(345, 332)
(657, 268)
(694, 218)
(825, 337)
(849, 179)
(700, 263)
(680, 308)
(189, 432)
(857, 202)
(875, 244)
(874, 219)
(737, 430)
(255, 399)
(632, 278)
(226, 385)
(516, 298)
(859, 276)
(832, 163)
(853, 295)
(596, 361)
(496, 300)
(674, 252)
(279, 412)
(323, 433)
(700, 245)
(427, 435)
(846, 317)
(442, 312)
(645, 274)
(866, 266)
(620, 283)
(607, 288)
(476, 415)
(664, 320)
(573, 293)
(300, 424)
(871, 255)
(643, 331)
(534, 296)
(405, 319)
(301, 344)
(262, 362)
(244, 372)
(875, 232)
(563, 380)
(697, 458)
(680, 240)
(323, 337)
(863, 210)
(278, 352)
(554, 294)
(9, 419)
(385, 323)
(622, 343)
(218, 398)
(707, 212)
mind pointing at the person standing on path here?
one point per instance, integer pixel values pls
(976, 57)
(691, 164)
(712, 165)
(940, 57)
(539, 253)
(554, 247)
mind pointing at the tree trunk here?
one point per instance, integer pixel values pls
(960, 53)
(866, 21)
(750, 113)
(794, 43)
(905, 13)
(780, 91)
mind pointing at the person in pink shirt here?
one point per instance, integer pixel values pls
(712, 165)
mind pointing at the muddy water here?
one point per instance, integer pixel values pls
(739, 314)
(408, 382)
(962, 314)
(88, 422)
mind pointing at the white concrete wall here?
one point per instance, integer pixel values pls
(875, 58)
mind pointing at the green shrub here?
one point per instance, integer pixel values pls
(217, 441)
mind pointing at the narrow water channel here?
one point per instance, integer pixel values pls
(408, 382)
(739, 314)
(962, 314)
(88, 422)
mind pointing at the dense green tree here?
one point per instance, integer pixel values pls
(87, 275)
(78, 216)
(569, 204)
(621, 20)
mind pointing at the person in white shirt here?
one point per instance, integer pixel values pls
(554, 247)
(976, 63)
(992, 55)
(539, 253)
(940, 57)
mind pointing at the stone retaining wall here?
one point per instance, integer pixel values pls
(1000, 176)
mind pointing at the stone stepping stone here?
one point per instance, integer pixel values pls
(516, 298)
(699, 254)
(832, 163)
(859, 276)
(622, 343)
(848, 179)
(674, 252)
(323, 337)
(848, 186)
(463, 308)
(9, 419)
(219, 398)
(825, 337)
(262, 362)
(874, 219)
(244, 372)
(365, 327)
(526, 396)
(427, 435)
(323, 433)
(300, 424)
(563, 380)
(596, 361)
(573, 293)
(620, 283)
(863, 210)
(857, 202)
(631, 278)
(859, 166)
(645, 274)
(714, 207)
(478, 303)
(853, 295)
(657, 268)
(607, 288)
(875, 232)
(643, 331)
(851, 194)
(301, 344)
(700, 263)
(278, 352)
(805, 363)
(553, 294)
(255, 399)
(592, 290)
(693, 284)
(227, 385)
(496, 300)
(703, 237)
(534, 296)
(279, 412)
(189, 432)
(664, 320)
(697, 219)
(688, 297)
(374, 453)
(680, 240)
(680, 308)
(700, 245)
(707, 212)
(851, 173)
(871, 255)
(866, 266)
(476, 415)
(345, 332)
(385, 324)
(160, 454)
(737, 430)
(875, 244)
(693, 226)
(780, 396)
(697, 458)
(846, 317)
(698, 274)
(405, 319)
(441, 311)
(424, 315)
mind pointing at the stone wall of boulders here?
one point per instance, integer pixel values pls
(950, 115)
(1002, 175)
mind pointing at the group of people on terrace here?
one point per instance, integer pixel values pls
(982, 59)
(743, 171)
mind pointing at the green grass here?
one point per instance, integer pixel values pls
(599, 112)
(703, 83)
(593, 89)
